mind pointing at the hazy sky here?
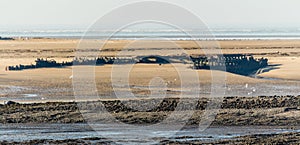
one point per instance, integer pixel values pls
(82, 13)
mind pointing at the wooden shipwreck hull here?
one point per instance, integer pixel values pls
(234, 63)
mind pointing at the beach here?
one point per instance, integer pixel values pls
(46, 96)
(50, 84)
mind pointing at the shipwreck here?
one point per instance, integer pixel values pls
(234, 63)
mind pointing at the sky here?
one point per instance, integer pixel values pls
(35, 14)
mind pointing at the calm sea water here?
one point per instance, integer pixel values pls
(219, 34)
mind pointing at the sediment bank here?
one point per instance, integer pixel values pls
(263, 110)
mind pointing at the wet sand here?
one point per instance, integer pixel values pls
(82, 133)
(284, 138)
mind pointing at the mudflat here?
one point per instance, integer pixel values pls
(277, 115)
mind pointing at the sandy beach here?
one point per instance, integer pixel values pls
(48, 84)
(244, 103)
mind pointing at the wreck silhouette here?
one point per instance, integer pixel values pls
(234, 63)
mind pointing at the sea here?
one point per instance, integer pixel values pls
(170, 34)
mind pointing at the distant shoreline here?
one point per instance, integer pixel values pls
(157, 34)
(142, 38)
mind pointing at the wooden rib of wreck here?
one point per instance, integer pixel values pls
(6, 38)
(234, 63)
(39, 63)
